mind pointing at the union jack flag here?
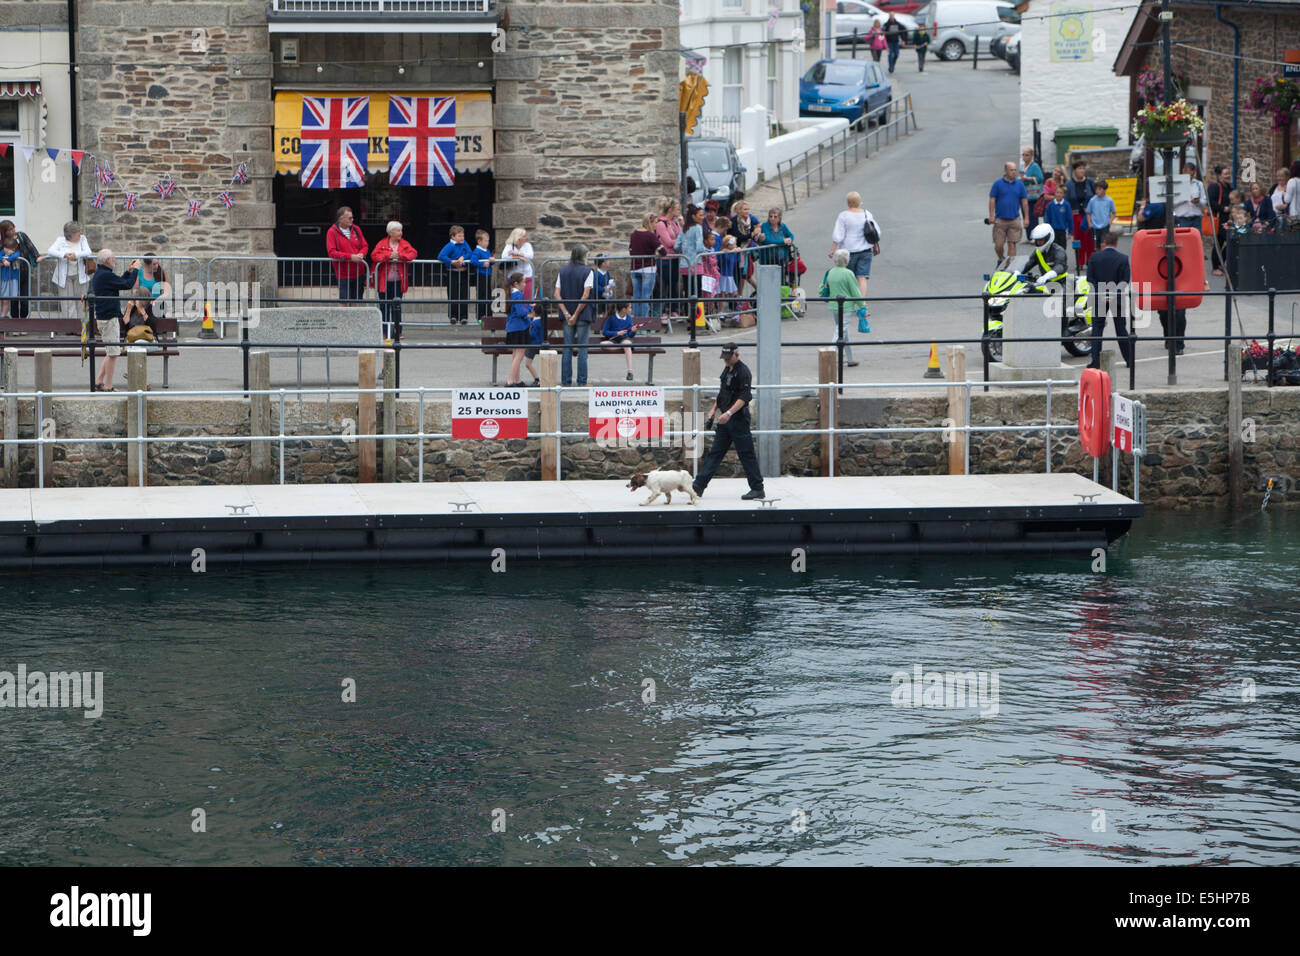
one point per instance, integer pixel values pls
(165, 187)
(241, 174)
(128, 201)
(335, 141)
(227, 200)
(421, 140)
(97, 200)
(105, 174)
(193, 208)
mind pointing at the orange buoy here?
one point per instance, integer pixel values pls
(1094, 412)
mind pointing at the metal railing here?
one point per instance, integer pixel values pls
(833, 153)
(690, 400)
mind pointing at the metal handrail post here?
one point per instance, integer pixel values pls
(1048, 443)
(282, 434)
(1272, 299)
(966, 463)
(839, 338)
(140, 430)
(420, 480)
(835, 444)
(40, 437)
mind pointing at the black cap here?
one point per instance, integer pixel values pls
(731, 348)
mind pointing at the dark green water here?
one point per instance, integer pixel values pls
(1119, 692)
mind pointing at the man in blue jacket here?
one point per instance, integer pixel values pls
(106, 311)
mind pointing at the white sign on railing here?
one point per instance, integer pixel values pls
(489, 413)
(1123, 418)
(630, 412)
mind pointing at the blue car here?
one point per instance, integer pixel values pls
(846, 88)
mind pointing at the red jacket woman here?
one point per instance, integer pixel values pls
(386, 268)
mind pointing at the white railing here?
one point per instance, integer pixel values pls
(382, 6)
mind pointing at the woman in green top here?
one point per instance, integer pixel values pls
(840, 281)
(920, 40)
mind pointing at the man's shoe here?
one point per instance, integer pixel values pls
(752, 495)
(699, 492)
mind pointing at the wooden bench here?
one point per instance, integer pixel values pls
(62, 337)
(494, 345)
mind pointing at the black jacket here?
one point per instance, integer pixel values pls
(735, 382)
(1077, 194)
(1108, 273)
(104, 286)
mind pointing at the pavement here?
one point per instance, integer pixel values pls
(927, 190)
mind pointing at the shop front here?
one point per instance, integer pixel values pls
(303, 212)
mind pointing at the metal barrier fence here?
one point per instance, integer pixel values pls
(838, 147)
(690, 397)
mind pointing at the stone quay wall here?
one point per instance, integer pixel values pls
(1186, 431)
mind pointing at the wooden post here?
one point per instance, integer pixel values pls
(827, 374)
(550, 370)
(1235, 450)
(690, 376)
(45, 383)
(390, 415)
(137, 416)
(259, 418)
(957, 409)
(11, 417)
(365, 416)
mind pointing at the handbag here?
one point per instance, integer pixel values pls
(799, 267)
(863, 325)
(869, 231)
(1209, 225)
(1040, 207)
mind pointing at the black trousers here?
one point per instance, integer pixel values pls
(457, 295)
(734, 432)
(920, 58)
(21, 306)
(390, 307)
(483, 287)
(669, 286)
(1177, 329)
(1121, 336)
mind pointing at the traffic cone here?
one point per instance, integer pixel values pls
(932, 371)
(207, 331)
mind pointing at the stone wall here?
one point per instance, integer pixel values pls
(154, 105)
(586, 119)
(1187, 436)
(1265, 35)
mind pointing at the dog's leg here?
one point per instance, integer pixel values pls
(650, 500)
(668, 497)
(691, 492)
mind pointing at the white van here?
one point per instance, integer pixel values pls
(955, 24)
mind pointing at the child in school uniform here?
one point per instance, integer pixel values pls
(619, 330)
(602, 287)
(1060, 218)
(481, 263)
(517, 324)
(9, 267)
(455, 259)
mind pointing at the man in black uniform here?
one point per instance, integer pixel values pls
(731, 409)
(1109, 275)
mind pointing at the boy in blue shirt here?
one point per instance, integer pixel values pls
(1060, 218)
(455, 256)
(481, 260)
(1101, 212)
(620, 330)
(603, 287)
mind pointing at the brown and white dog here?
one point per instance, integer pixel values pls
(663, 483)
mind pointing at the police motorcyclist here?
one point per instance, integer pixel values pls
(1047, 261)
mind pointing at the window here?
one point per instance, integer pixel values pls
(836, 74)
(1008, 15)
(8, 172)
(9, 115)
(731, 85)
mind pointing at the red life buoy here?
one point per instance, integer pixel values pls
(1094, 412)
(1150, 272)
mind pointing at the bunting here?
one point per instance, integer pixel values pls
(128, 201)
(97, 200)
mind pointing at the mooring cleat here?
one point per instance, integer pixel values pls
(1086, 499)
(462, 507)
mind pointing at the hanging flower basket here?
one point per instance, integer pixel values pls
(1276, 96)
(1167, 124)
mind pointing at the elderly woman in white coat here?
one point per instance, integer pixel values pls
(71, 252)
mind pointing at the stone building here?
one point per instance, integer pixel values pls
(1203, 50)
(566, 116)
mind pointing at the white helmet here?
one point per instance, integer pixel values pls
(1042, 234)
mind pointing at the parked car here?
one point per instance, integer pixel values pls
(956, 24)
(899, 7)
(722, 177)
(998, 47)
(853, 15)
(1011, 51)
(847, 88)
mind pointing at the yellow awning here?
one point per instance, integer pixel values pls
(473, 128)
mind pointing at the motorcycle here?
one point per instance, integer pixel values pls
(1009, 282)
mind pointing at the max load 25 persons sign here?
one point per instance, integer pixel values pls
(489, 413)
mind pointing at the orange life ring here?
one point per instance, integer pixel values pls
(1094, 412)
